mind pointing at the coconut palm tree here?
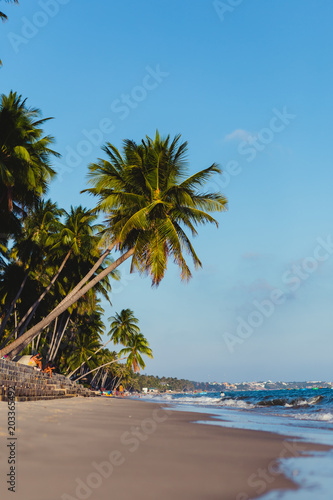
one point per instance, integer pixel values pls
(135, 347)
(32, 250)
(123, 326)
(25, 154)
(76, 240)
(84, 347)
(149, 203)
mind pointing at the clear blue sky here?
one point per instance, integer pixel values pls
(250, 87)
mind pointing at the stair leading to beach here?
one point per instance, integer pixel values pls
(31, 384)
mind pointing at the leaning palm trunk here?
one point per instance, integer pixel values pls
(11, 307)
(30, 313)
(56, 333)
(99, 379)
(58, 342)
(16, 346)
(105, 376)
(95, 376)
(27, 318)
(76, 369)
(52, 339)
(67, 298)
(37, 343)
(109, 363)
(115, 382)
(86, 277)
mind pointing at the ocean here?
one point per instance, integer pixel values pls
(305, 414)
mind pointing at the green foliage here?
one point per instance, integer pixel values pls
(25, 155)
(149, 203)
(163, 384)
(123, 326)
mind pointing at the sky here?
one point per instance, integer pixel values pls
(249, 85)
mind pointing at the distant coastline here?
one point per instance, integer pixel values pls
(154, 383)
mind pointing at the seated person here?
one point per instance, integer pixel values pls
(36, 361)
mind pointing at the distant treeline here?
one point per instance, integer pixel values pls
(164, 384)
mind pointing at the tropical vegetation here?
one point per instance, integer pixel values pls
(56, 265)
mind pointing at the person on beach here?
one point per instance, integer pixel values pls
(37, 359)
(121, 391)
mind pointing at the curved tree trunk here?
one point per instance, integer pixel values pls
(52, 339)
(37, 343)
(11, 307)
(76, 369)
(58, 341)
(16, 346)
(30, 313)
(86, 277)
(109, 363)
(94, 377)
(105, 376)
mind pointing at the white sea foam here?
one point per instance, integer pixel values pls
(202, 400)
(324, 417)
(236, 403)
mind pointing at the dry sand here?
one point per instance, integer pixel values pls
(107, 448)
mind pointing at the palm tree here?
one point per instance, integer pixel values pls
(33, 249)
(148, 203)
(123, 326)
(84, 348)
(122, 375)
(136, 346)
(75, 240)
(25, 154)
(147, 200)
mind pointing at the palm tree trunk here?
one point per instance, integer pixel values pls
(52, 339)
(108, 385)
(99, 379)
(87, 276)
(114, 382)
(120, 380)
(105, 376)
(72, 373)
(37, 344)
(96, 375)
(16, 346)
(55, 336)
(109, 363)
(15, 317)
(11, 307)
(30, 313)
(57, 344)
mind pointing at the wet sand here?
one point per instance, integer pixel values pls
(105, 448)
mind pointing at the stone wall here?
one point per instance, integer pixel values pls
(31, 384)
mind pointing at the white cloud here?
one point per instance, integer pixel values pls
(240, 135)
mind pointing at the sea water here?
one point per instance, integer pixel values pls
(306, 414)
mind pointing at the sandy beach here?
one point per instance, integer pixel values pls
(106, 448)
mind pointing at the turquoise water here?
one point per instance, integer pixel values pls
(303, 414)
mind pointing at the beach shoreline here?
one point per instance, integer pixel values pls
(110, 447)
